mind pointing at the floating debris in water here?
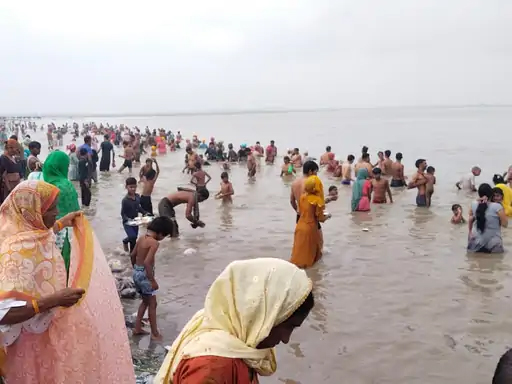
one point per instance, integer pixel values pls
(365, 230)
(189, 251)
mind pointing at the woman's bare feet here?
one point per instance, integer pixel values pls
(157, 337)
(139, 332)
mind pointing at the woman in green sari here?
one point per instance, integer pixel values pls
(55, 171)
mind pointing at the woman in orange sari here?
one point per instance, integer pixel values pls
(56, 325)
(307, 243)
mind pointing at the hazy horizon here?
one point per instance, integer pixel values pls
(168, 57)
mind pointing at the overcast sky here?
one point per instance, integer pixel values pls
(115, 56)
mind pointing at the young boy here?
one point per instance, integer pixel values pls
(128, 157)
(431, 180)
(333, 194)
(497, 196)
(287, 167)
(200, 178)
(84, 177)
(143, 262)
(226, 189)
(457, 217)
(251, 165)
(149, 178)
(130, 208)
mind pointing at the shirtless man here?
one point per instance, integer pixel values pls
(200, 179)
(271, 153)
(324, 159)
(364, 151)
(364, 163)
(184, 196)
(149, 178)
(380, 161)
(251, 164)
(380, 188)
(387, 163)
(346, 170)
(308, 169)
(397, 172)
(192, 159)
(419, 181)
(128, 157)
(296, 158)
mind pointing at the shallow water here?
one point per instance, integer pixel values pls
(401, 303)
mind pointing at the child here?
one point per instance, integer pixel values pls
(145, 169)
(128, 157)
(84, 177)
(287, 167)
(431, 180)
(251, 165)
(143, 262)
(130, 208)
(497, 195)
(149, 178)
(457, 214)
(226, 189)
(200, 178)
(333, 194)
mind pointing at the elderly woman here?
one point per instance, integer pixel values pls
(10, 169)
(485, 221)
(57, 324)
(250, 308)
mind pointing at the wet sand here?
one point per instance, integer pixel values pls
(401, 303)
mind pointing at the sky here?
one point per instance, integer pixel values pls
(110, 56)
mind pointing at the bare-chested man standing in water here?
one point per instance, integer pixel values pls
(296, 158)
(380, 188)
(324, 159)
(420, 181)
(346, 170)
(387, 163)
(308, 169)
(397, 172)
(364, 163)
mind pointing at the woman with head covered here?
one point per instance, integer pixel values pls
(250, 308)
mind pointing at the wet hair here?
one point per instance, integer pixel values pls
(455, 207)
(83, 151)
(309, 166)
(296, 149)
(366, 156)
(498, 179)
(377, 171)
(399, 156)
(286, 159)
(419, 162)
(350, 157)
(430, 169)
(131, 181)
(332, 188)
(161, 225)
(150, 175)
(497, 191)
(484, 190)
(202, 194)
(34, 145)
(328, 148)
(387, 152)
(380, 153)
(87, 139)
(258, 143)
(224, 175)
(503, 372)
(364, 149)
(272, 142)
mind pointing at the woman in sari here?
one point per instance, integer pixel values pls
(55, 172)
(56, 325)
(10, 169)
(361, 192)
(73, 163)
(307, 243)
(499, 182)
(250, 308)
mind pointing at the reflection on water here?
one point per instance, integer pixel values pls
(401, 303)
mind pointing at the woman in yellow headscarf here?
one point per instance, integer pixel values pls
(307, 243)
(250, 308)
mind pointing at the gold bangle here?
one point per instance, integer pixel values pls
(35, 306)
(59, 225)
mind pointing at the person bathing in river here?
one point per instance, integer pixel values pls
(296, 158)
(380, 187)
(431, 181)
(467, 182)
(346, 170)
(499, 182)
(457, 217)
(387, 163)
(184, 196)
(200, 179)
(324, 159)
(332, 163)
(332, 195)
(251, 164)
(271, 152)
(361, 192)
(364, 164)
(149, 178)
(420, 181)
(287, 169)
(143, 263)
(128, 157)
(397, 172)
(107, 152)
(226, 189)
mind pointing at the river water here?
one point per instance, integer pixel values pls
(401, 303)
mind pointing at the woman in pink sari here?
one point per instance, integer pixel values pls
(56, 325)
(361, 192)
